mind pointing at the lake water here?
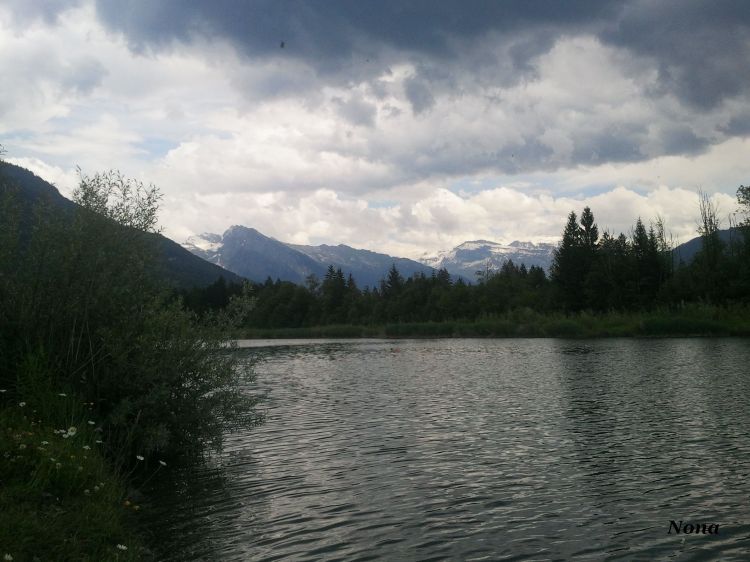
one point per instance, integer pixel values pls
(476, 450)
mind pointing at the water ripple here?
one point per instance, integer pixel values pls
(476, 450)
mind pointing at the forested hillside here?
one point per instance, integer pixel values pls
(174, 264)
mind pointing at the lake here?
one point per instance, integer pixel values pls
(497, 449)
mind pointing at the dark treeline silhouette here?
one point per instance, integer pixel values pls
(590, 272)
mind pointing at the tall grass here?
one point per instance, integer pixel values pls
(692, 320)
(60, 498)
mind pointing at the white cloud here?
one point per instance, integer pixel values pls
(269, 143)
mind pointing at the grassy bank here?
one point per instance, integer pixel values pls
(59, 498)
(689, 321)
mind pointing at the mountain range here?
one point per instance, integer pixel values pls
(479, 255)
(245, 252)
(253, 255)
(257, 257)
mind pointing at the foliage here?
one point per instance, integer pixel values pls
(125, 201)
(81, 295)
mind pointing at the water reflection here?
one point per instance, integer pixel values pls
(460, 449)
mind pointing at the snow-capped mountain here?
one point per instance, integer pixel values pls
(249, 253)
(478, 255)
(204, 245)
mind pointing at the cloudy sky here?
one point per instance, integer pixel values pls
(398, 126)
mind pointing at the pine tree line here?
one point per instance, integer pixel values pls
(590, 272)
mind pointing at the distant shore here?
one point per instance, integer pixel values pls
(692, 322)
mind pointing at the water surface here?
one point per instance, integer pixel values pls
(476, 450)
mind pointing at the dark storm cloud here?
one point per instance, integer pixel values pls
(700, 49)
(356, 111)
(341, 37)
(738, 125)
(336, 28)
(419, 95)
(607, 146)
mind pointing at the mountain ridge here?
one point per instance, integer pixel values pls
(471, 256)
(178, 266)
(248, 252)
(369, 267)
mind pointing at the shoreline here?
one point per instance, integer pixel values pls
(693, 322)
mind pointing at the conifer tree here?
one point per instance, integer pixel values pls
(568, 271)
(393, 283)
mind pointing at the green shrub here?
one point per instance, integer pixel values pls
(81, 299)
(564, 328)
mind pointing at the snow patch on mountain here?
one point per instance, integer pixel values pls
(206, 242)
(479, 255)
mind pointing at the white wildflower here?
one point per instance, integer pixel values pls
(162, 463)
(122, 547)
(62, 394)
(91, 422)
(7, 556)
(22, 404)
(45, 442)
(86, 447)
(139, 457)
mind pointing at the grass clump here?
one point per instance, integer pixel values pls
(59, 497)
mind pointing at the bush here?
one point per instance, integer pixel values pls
(80, 296)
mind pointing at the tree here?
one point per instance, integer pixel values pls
(333, 290)
(568, 269)
(743, 253)
(85, 305)
(646, 261)
(708, 259)
(394, 283)
(312, 283)
(589, 231)
(743, 199)
(443, 278)
(124, 200)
